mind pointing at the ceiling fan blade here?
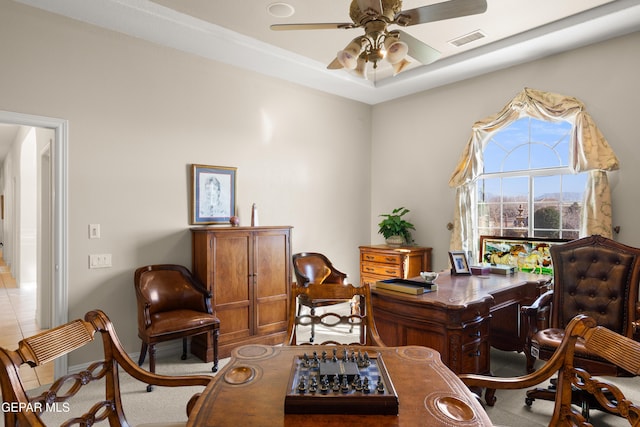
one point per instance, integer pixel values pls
(318, 26)
(439, 11)
(375, 5)
(335, 65)
(418, 50)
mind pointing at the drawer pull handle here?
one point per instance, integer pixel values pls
(369, 269)
(475, 334)
(390, 259)
(390, 272)
(369, 258)
(475, 353)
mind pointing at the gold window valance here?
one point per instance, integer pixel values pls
(592, 154)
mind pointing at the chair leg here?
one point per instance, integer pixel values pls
(184, 349)
(313, 326)
(152, 363)
(143, 354)
(313, 311)
(216, 333)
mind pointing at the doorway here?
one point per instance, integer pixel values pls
(52, 218)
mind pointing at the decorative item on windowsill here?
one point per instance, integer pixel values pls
(395, 229)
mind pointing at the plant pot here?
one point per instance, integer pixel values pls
(395, 240)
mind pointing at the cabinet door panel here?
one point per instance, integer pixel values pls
(271, 281)
(271, 265)
(271, 314)
(234, 322)
(231, 275)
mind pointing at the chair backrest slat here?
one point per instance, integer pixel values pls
(361, 316)
(49, 345)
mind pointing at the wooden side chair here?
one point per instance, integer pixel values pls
(314, 267)
(54, 343)
(172, 304)
(581, 331)
(332, 293)
(593, 276)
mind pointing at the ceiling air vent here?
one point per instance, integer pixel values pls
(468, 38)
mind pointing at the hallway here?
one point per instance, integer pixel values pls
(17, 320)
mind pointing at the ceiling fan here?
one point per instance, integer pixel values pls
(378, 42)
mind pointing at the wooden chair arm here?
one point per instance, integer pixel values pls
(147, 314)
(112, 344)
(542, 302)
(563, 353)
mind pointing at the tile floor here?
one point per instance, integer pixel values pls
(17, 320)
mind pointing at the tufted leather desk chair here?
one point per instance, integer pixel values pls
(172, 304)
(593, 276)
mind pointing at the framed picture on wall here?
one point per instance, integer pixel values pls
(459, 263)
(213, 194)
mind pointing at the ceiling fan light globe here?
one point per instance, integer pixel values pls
(348, 57)
(400, 66)
(347, 60)
(361, 68)
(396, 52)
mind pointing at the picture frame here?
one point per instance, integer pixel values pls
(459, 263)
(527, 254)
(213, 194)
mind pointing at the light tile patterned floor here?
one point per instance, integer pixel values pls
(17, 320)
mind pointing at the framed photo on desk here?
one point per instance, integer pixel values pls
(459, 263)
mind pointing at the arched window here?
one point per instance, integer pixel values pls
(526, 188)
(516, 158)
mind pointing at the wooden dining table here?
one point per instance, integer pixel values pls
(251, 390)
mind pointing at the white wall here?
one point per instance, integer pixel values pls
(411, 165)
(139, 115)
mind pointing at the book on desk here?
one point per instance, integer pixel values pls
(407, 286)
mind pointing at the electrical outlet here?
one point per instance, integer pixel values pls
(100, 261)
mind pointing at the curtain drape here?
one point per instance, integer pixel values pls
(591, 150)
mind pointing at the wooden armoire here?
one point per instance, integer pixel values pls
(248, 271)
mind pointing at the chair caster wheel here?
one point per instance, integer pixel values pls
(214, 368)
(528, 401)
(149, 388)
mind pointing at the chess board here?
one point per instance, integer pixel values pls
(345, 381)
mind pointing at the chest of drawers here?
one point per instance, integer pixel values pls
(380, 262)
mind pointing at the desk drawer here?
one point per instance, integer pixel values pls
(382, 258)
(474, 332)
(381, 270)
(475, 358)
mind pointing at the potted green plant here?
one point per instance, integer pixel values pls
(395, 229)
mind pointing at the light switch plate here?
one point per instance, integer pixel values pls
(94, 231)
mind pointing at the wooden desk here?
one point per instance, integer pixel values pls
(462, 319)
(428, 392)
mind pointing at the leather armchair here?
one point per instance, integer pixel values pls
(313, 267)
(172, 304)
(593, 276)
